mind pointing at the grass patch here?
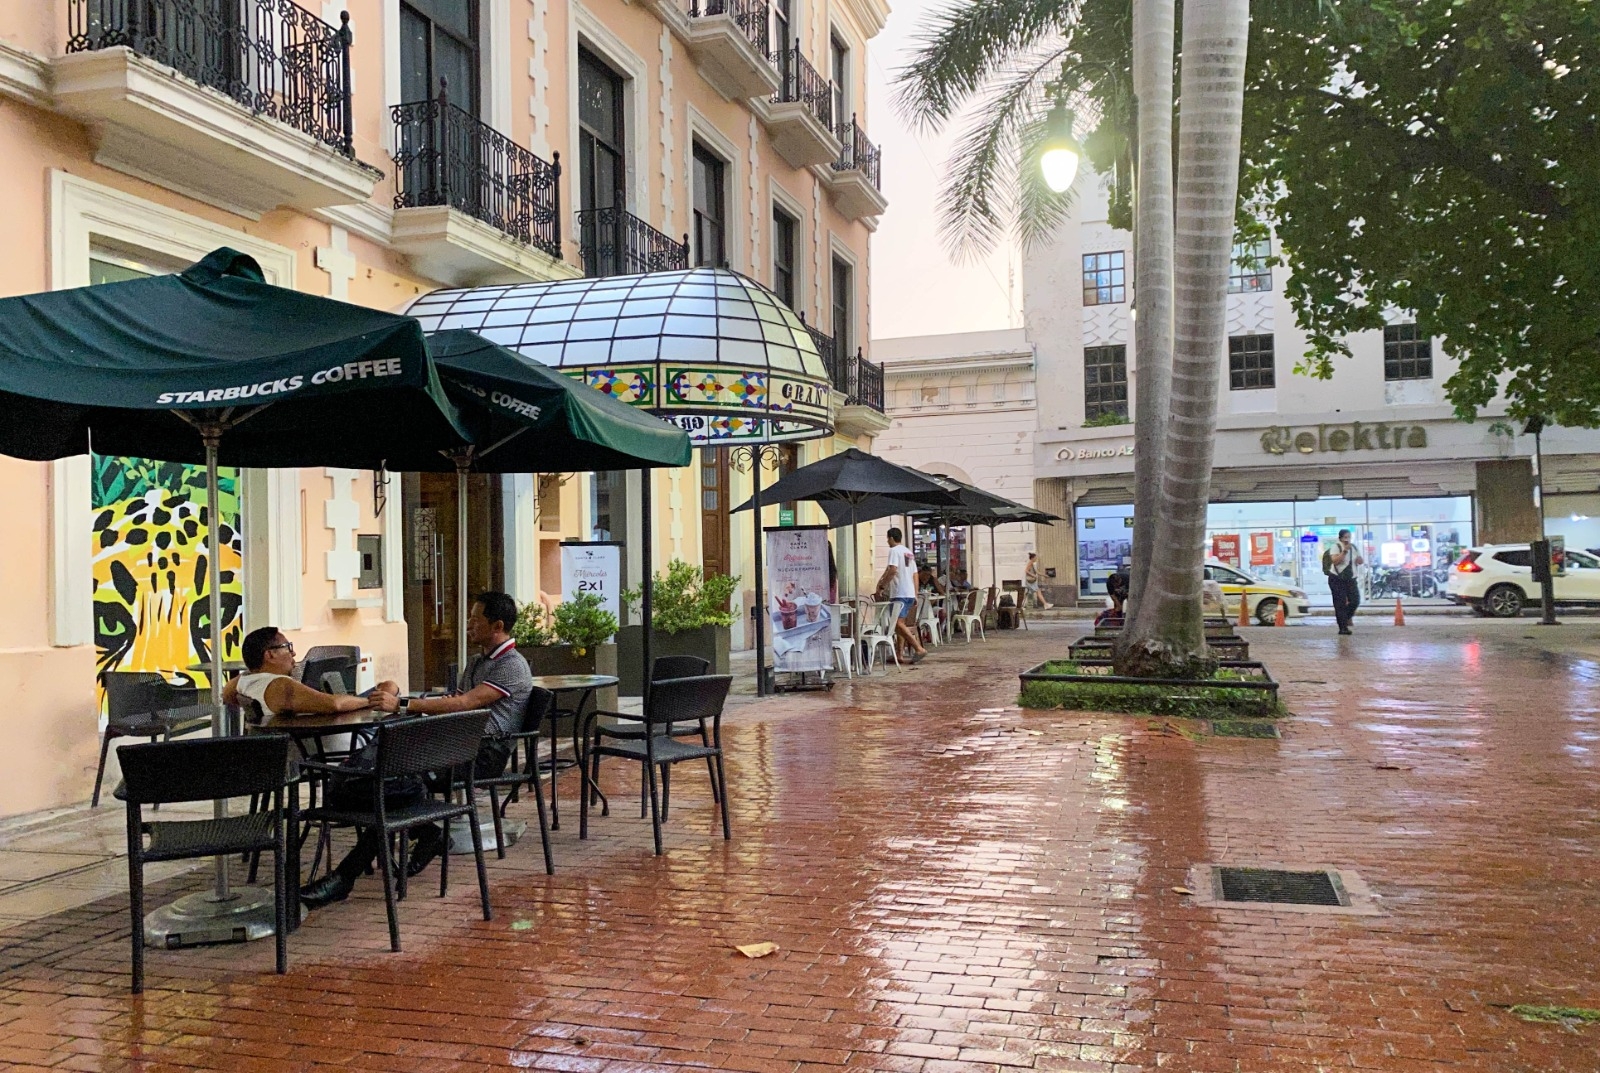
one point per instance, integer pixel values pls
(1192, 701)
(1557, 1015)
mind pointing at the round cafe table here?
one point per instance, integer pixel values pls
(584, 687)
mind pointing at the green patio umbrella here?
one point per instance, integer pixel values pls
(215, 365)
(525, 417)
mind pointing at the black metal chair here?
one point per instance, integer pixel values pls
(665, 667)
(673, 700)
(661, 669)
(161, 773)
(143, 704)
(414, 747)
(522, 770)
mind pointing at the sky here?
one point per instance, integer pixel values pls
(916, 287)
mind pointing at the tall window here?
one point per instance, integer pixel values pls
(783, 232)
(602, 164)
(606, 498)
(1105, 381)
(1248, 272)
(710, 216)
(839, 68)
(1407, 353)
(843, 289)
(782, 34)
(1105, 279)
(1250, 362)
(439, 39)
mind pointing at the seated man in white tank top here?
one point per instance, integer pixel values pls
(269, 659)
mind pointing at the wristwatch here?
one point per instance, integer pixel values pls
(403, 706)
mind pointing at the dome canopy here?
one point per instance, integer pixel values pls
(710, 350)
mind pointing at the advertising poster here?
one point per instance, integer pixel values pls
(801, 624)
(1261, 551)
(1225, 546)
(593, 567)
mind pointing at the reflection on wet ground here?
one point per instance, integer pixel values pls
(957, 884)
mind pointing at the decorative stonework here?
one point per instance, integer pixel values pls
(755, 202)
(1250, 314)
(1105, 325)
(337, 261)
(539, 75)
(342, 514)
(816, 253)
(668, 187)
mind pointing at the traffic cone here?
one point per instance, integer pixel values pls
(1399, 613)
(1282, 616)
(1244, 607)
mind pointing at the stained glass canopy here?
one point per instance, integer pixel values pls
(710, 350)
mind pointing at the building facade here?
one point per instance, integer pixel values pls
(1375, 449)
(373, 151)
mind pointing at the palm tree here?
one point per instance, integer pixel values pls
(1016, 50)
(1167, 636)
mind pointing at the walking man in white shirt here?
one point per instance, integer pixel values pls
(899, 584)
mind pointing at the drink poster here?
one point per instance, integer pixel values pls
(800, 630)
(593, 568)
(1261, 551)
(1225, 546)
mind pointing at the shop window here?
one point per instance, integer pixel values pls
(1250, 362)
(1105, 381)
(1407, 353)
(710, 214)
(1249, 272)
(1105, 278)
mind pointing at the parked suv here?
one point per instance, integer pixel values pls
(1497, 579)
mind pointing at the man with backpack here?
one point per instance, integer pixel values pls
(1339, 564)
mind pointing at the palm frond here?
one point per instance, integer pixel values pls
(966, 43)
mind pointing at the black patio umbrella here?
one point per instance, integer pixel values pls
(842, 482)
(183, 367)
(525, 417)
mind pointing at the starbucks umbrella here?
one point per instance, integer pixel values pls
(842, 482)
(214, 365)
(525, 417)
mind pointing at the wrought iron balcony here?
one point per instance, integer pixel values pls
(799, 83)
(271, 56)
(859, 154)
(860, 382)
(826, 348)
(751, 16)
(447, 156)
(618, 243)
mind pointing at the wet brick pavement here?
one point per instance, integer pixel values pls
(955, 888)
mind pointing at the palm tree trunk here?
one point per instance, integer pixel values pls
(1152, 274)
(1168, 639)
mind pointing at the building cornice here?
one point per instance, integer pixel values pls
(960, 364)
(25, 76)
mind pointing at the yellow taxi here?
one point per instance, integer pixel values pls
(1264, 596)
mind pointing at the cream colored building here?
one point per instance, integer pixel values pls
(135, 138)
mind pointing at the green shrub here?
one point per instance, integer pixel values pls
(687, 598)
(532, 628)
(1147, 700)
(583, 623)
(1106, 420)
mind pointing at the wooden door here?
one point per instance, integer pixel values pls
(716, 546)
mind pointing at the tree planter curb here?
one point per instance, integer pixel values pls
(1042, 688)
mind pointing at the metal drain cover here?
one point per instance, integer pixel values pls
(1284, 888)
(1243, 728)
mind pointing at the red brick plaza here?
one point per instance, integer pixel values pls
(956, 887)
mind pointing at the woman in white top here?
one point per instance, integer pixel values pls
(269, 657)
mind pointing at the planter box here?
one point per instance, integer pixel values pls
(1253, 692)
(1100, 647)
(560, 659)
(710, 643)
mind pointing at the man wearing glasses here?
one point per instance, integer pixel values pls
(269, 662)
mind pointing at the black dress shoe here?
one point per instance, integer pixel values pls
(331, 888)
(427, 846)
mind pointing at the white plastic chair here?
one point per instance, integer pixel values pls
(879, 634)
(925, 615)
(844, 648)
(967, 617)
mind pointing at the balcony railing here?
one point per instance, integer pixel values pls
(860, 381)
(859, 154)
(826, 349)
(618, 243)
(272, 56)
(751, 16)
(447, 156)
(798, 81)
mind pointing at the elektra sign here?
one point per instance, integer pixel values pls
(1356, 436)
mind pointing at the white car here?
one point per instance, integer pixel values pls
(1497, 579)
(1264, 596)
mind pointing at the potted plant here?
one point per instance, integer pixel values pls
(691, 614)
(575, 640)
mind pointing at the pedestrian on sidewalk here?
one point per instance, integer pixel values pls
(1031, 577)
(1339, 563)
(899, 584)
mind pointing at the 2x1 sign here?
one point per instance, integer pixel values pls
(593, 568)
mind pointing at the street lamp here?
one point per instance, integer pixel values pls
(1061, 152)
